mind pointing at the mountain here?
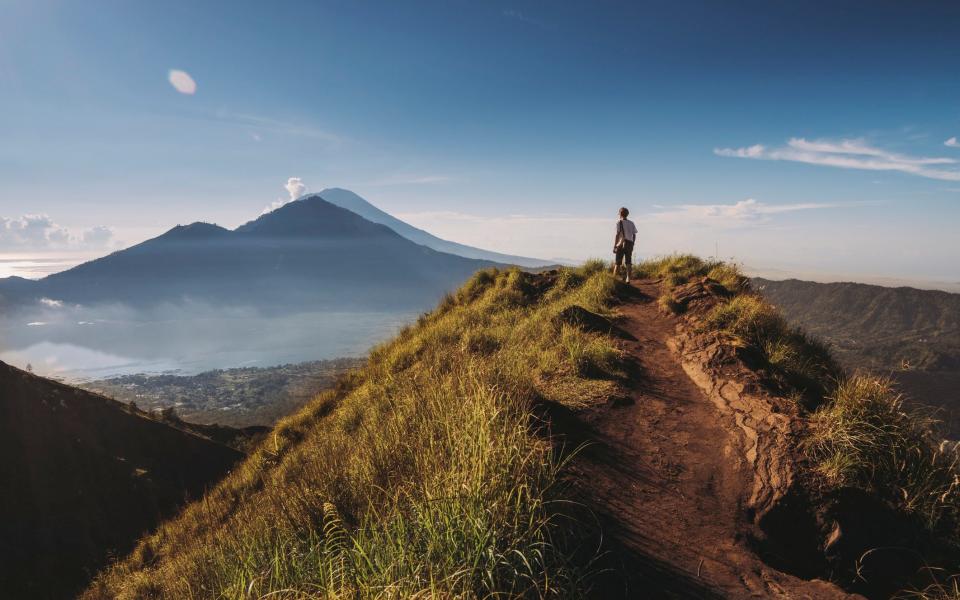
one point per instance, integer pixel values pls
(308, 253)
(875, 327)
(518, 442)
(912, 335)
(352, 202)
(83, 477)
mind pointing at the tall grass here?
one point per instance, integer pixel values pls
(866, 437)
(862, 434)
(419, 476)
(800, 362)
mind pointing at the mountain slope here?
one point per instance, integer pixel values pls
(874, 326)
(306, 254)
(443, 468)
(83, 477)
(354, 203)
(909, 333)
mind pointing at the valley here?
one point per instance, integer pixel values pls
(237, 397)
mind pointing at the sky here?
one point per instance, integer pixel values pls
(797, 137)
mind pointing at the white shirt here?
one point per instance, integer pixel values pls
(629, 230)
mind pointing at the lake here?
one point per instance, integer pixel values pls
(79, 343)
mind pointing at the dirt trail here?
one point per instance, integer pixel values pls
(667, 481)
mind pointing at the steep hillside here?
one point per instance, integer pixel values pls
(306, 254)
(83, 477)
(352, 202)
(872, 326)
(911, 334)
(562, 435)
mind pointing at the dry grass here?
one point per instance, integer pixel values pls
(862, 435)
(418, 477)
(866, 437)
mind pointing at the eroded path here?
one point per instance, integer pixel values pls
(664, 476)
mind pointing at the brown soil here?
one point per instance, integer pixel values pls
(668, 477)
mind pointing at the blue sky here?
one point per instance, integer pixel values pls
(800, 137)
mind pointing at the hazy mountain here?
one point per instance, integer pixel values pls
(911, 334)
(874, 326)
(352, 202)
(308, 253)
(83, 477)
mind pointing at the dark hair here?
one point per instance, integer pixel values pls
(624, 212)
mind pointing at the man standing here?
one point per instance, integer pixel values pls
(623, 243)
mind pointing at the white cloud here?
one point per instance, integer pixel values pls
(51, 303)
(739, 214)
(849, 154)
(97, 236)
(295, 188)
(39, 232)
(755, 151)
(182, 82)
(952, 142)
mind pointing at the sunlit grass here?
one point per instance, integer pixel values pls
(419, 477)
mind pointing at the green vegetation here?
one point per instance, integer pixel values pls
(235, 397)
(419, 475)
(865, 437)
(862, 435)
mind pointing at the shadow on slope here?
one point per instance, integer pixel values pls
(83, 478)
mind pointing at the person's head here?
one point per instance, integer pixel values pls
(624, 212)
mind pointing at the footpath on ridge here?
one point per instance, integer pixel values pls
(671, 476)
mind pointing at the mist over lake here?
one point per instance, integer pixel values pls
(79, 343)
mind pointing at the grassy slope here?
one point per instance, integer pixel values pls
(418, 475)
(861, 435)
(82, 477)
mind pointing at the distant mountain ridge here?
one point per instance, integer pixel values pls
(83, 477)
(353, 202)
(871, 326)
(308, 253)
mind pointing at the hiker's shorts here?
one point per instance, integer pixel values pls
(625, 252)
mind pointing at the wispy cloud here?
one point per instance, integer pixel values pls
(739, 214)
(581, 236)
(408, 179)
(260, 124)
(952, 142)
(518, 15)
(849, 154)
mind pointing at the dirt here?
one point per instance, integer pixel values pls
(671, 475)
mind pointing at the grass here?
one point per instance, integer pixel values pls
(865, 437)
(797, 362)
(419, 476)
(861, 434)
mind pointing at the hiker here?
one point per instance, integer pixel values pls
(623, 243)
